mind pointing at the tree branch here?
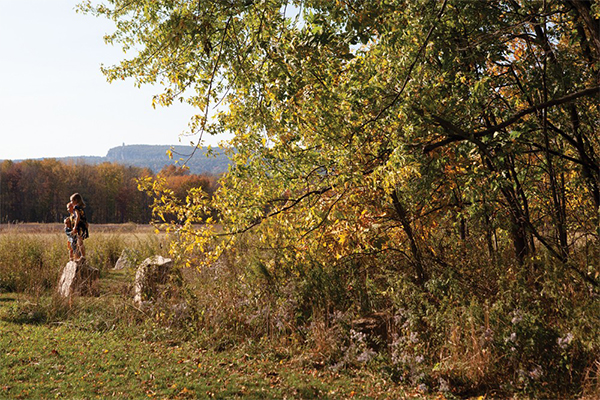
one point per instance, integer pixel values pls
(515, 118)
(408, 74)
(274, 213)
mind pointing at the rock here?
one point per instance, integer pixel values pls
(125, 259)
(151, 273)
(78, 278)
(67, 279)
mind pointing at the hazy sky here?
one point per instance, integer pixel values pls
(55, 102)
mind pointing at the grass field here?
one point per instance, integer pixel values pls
(75, 360)
(105, 347)
(223, 332)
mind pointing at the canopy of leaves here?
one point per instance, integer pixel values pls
(382, 127)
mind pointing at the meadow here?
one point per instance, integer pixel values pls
(104, 346)
(233, 330)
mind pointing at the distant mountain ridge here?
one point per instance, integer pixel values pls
(155, 157)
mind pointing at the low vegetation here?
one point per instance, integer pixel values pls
(235, 330)
(90, 352)
(105, 346)
(32, 256)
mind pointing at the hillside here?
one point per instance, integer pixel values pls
(155, 157)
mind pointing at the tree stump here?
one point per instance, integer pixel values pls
(375, 328)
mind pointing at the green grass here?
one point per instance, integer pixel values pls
(76, 359)
(237, 338)
(104, 347)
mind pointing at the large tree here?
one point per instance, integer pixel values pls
(364, 128)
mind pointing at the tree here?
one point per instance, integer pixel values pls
(38, 191)
(9, 181)
(369, 128)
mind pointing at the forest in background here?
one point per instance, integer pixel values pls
(38, 190)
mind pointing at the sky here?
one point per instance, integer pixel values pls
(55, 101)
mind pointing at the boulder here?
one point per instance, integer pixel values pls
(151, 273)
(125, 259)
(78, 278)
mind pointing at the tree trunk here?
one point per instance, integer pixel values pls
(591, 24)
(420, 275)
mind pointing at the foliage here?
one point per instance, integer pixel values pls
(469, 112)
(38, 190)
(438, 157)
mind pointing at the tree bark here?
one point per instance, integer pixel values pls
(591, 24)
(420, 274)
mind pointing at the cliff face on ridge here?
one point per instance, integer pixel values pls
(155, 157)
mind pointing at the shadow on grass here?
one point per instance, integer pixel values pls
(6, 299)
(16, 311)
(24, 318)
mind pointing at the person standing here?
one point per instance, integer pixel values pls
(71, 235)
(80, 224)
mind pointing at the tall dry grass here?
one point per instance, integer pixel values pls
(32, 256)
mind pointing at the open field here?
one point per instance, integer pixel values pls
(106, 347)
(76, 359)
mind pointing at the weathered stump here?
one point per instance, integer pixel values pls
(375, 329)
(78, 278)
(151, 273)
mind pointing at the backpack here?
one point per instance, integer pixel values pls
(83, 225)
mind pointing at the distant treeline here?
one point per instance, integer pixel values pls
(38, 190)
